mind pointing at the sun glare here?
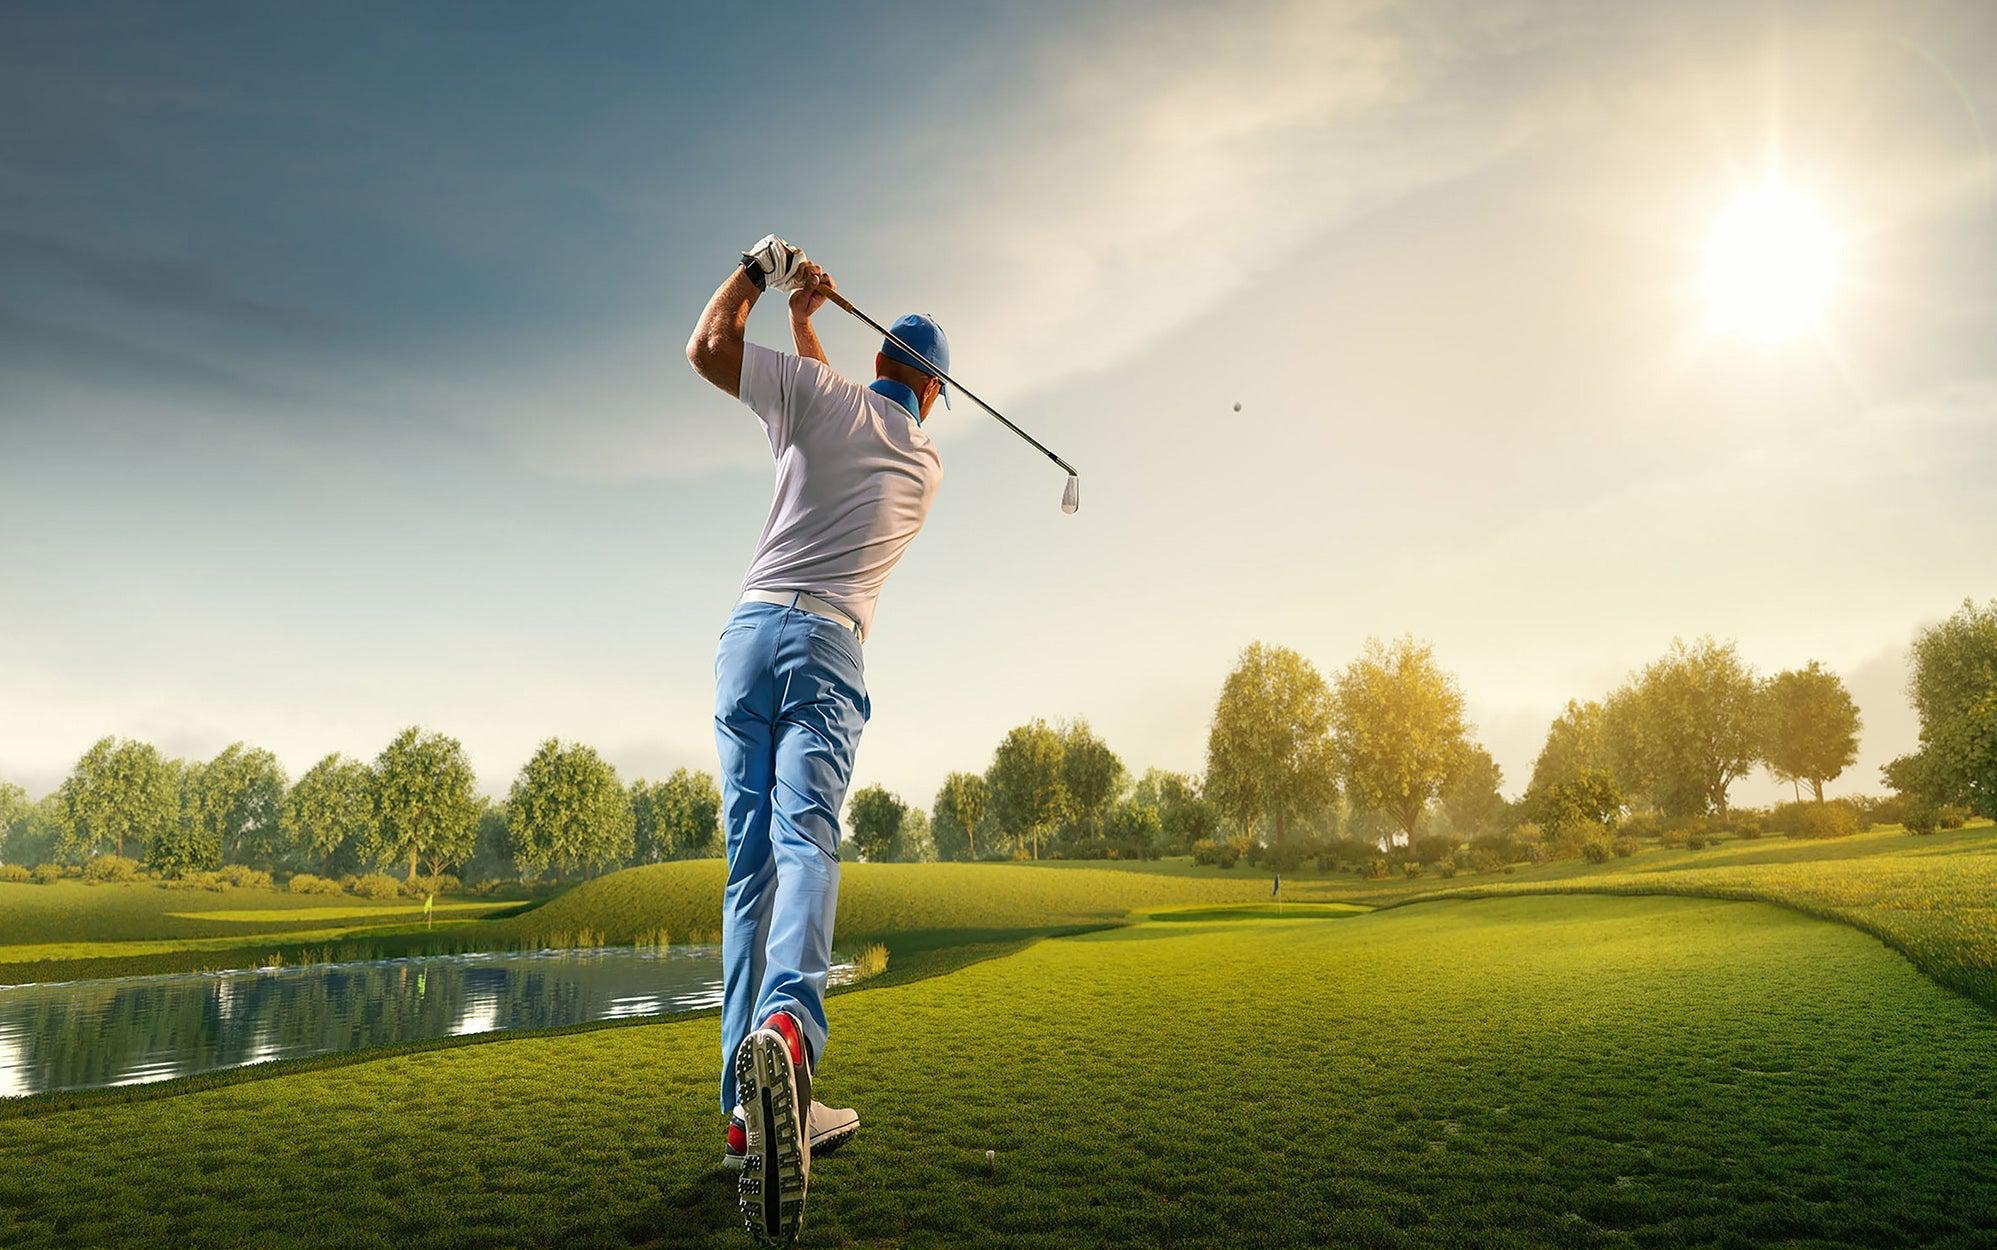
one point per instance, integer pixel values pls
(1771, 265)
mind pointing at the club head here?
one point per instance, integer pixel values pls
(1071, 498)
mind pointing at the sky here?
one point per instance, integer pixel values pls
(342, 384)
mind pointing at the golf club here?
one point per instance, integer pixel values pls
(1071, 495)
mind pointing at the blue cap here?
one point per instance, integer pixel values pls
(920, 331)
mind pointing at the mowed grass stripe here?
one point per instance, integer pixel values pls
(1542, 1071)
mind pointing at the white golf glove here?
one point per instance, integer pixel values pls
(774, 265)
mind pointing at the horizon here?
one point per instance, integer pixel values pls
(341, 385)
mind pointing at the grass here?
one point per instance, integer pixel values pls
(1566, 1070)
(70, 929)
(1934, 899)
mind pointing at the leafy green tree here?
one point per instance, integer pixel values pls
(37, 834)
(1953, 686)
(1573, 742)
(14, 809)
(1136, 824)
(678, 818)
(1688, 727)
(1470, 801)
(1399, 729)
(875, 817)
(1810, 726)
(1589, 797)
(492, 846)
(1269, 750)
(425, 801)
(917, 842)
(568, 811)
(235, 804)
(329, 818)
(956, 814)
(1026, 793)
(1092, 776)
(1185, 816)
(119, 793)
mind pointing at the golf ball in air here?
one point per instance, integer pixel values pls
(1237, 405)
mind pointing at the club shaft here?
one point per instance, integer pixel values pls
(963, 390)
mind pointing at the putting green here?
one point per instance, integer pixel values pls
(1568, 1071)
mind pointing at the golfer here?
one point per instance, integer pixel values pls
(856, 476)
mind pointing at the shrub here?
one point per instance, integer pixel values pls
(1431, 848)
(1483, 859)
(1950, 816)
(45, 873)
(14, 873)
(1675, 838)
(1821, 820)
(376, 885)
(213, 881)
(309, 883)
(1411, 869)
(1643, 825)
(1446, 868)
(243, 877)
(1921, 820)
(1624, 846)
(1874, 810)
(1378, 869)
(1698, 841)
(111, 868)
(420, 886)
(1596, 850)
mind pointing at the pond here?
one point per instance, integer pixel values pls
(125, 1031)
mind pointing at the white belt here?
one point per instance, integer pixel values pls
(804, 601)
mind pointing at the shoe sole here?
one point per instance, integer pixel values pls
(820, 1146)
(776, 1169)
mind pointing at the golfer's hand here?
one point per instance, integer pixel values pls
(773, 264)
(808, 293)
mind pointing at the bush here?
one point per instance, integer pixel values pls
(1698, 841)
(376, 885)
(1445, 868)
(1624, 846)
(1875, 810)
(1821, 820)
(1378, 869)
(1411, 869)
(420, 886)
(14, 873)
(1950, 816)
(1483, 859)
(243, 877)
(212, 881)
(1215, 854)
(45, 873)
(111, 868)
(1920, 821)
(1431, 848)
(1596, 850)
(1643, 825)
(1675, 838)
(310, 883)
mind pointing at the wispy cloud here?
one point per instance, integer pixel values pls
(152, 284)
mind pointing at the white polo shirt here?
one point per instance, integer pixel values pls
(855, 480)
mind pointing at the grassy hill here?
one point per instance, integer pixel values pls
(1560, 1071)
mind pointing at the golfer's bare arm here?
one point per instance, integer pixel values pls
(715, 350)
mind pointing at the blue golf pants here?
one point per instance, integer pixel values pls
(790, 699)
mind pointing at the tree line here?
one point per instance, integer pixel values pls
(414, 808)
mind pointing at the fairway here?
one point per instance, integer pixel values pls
(1569, 1071)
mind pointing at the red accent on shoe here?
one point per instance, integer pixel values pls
(738, 1138)
(786, 1028)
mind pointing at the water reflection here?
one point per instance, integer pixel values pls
(90, 1034)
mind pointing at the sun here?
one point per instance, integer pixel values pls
(1771, 265)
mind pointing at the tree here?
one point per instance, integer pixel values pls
(1688, 727)
(875, 817)
(1810, 726)
(424, 800)
(1269, 748)
(14, 809)
(492, 847)
(1185, 816)
(1137, 826)
(1091, 775)
(678, 818)
(1399, 729)
(119, 793)
(1573, 742)
(917, 842)
(235, 805)
(36, 835)
(568, 811)
(1953, 685)
(1470, 800)
(1590, 796)
(329, 818)
(956, 814)
(1024, 789)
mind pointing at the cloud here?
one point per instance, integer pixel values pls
(30, 344)
(151, 284)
